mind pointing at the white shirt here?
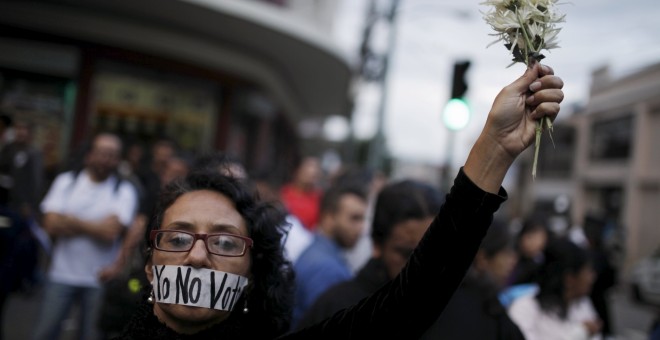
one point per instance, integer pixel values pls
(537, 324)
(297, 239)
(77, 260)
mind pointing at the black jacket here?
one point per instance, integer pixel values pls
(371, 277)
(474, 312)
(403, 308)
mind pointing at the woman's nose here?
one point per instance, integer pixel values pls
(198, 256)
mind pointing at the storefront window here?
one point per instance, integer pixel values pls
(147, 104)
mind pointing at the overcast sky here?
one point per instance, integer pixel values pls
(433, 34)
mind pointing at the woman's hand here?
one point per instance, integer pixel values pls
(511, 124)
(512, 119)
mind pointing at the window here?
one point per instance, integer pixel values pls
(611, 139)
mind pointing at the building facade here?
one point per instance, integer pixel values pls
(605, 163)
(236, 76)
(618, 157)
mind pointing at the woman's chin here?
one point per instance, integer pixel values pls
(190, 317)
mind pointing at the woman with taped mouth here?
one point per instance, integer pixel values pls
(216, 262)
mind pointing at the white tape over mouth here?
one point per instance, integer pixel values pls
(197, 287)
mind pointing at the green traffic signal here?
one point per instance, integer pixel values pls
(456, 114)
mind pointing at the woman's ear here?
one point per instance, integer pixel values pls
(148, 268)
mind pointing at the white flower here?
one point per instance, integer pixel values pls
(525, 26)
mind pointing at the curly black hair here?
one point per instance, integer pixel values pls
(270, 295)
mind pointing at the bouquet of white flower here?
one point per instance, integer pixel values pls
(526, 27)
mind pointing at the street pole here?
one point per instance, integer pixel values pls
(447, 170)
(455, 117)
(377, 147)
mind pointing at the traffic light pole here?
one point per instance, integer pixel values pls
(377, 147)
(448, 174)
(456, 116)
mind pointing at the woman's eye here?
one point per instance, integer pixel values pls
(178, 241)
(226, 244)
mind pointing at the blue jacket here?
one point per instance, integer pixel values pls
(318, 268)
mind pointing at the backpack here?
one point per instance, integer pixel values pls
(119, 179)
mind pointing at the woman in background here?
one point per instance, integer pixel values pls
(561, 310)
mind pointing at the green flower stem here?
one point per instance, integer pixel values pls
(537, 143)
(537, 139)
(548, 124)
(529, 48)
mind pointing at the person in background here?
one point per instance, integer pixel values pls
(161, 152)
(22, 169)
(150, 172)
(403, 211)
(604, 269)
(372, 181)
(86, 211)
(22, 180)
(133, 159)
(302, 195)
(530, 243)
(561, 310)
(130, 165)
(21, 185)
(177, 166)
(322, 263)
(212, 226)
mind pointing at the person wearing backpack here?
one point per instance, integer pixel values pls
(86, 212)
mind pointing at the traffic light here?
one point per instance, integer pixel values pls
(459, 84)
(456, 114)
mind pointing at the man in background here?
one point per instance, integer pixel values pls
(322, 264)
(87, 212)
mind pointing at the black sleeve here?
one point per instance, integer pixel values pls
(406, 306)
(331, 301)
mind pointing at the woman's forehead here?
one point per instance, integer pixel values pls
(205, 209)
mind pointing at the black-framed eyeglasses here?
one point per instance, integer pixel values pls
(183, 241)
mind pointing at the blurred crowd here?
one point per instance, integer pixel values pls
(350, 231)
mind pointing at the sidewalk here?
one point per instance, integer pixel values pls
(21, 313)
